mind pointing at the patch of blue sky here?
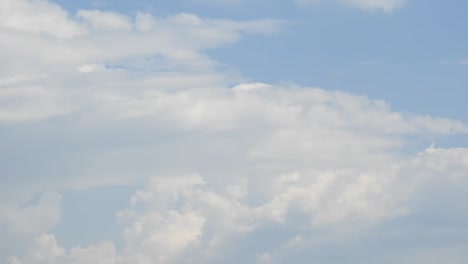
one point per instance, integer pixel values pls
(89, 216)
(407, 58)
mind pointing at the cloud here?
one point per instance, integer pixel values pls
(169, 43)
(384, 5)
(100, 20)
(367, 5)
(44, 250)
(38, 17)
(455, 62)
(222, 2)
(228, 171)
(176, 219)
(34, 219)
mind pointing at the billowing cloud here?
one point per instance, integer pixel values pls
(169, 43)
(228, 170)
(177, 219)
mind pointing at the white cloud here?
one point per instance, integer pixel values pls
(176, 42)
(175, 219)
(89, 68)
(104, 253)
(304, 167)
(220, 2)
(39, 17)
(102, 20)
(35, 219)
(385, 5)
(44, 250)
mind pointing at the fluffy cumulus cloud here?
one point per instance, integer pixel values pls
(228, 171)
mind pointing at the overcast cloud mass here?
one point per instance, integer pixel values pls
(125, 137)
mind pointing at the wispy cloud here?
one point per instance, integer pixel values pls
(454, 62)
(384, 5)
(368, 5)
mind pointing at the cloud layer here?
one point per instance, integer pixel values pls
(228, 170)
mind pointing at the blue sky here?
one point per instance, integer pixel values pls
(233, 131)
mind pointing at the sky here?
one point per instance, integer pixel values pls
(233, 131)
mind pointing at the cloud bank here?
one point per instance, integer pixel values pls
(228, 170)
